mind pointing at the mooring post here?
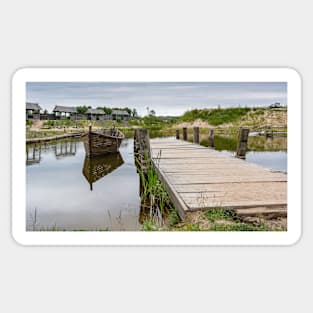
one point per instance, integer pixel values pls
(136, 144)
(211, 138)
(89, 128)
(185, 133)
(177, 133)
(196, 135)
(142, 149)
(242, 146)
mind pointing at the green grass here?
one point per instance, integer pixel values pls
(218, 214)
(218, 219)
(80, 123)
(153, 122)
(215, 116)
(173, 218)
(150, 225)
(155, 200)
(42, 134)
(153, 191)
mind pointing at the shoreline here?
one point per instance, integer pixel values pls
(51, 138)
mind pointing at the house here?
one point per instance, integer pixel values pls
(32, 111)
(120, 115)
(275, 105)
(65, 113)
(95, 114)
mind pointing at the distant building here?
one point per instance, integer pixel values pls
(65, 113)
(95, 114)
(275, 105)
(32, 111)
(120, 115)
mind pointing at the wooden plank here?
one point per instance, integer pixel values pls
(198, 177)
(197, 205)
(234, 195)
(249, 187)
(221, 179)
(263, 211)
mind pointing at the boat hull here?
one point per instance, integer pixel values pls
(99, 144)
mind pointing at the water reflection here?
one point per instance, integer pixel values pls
(58, 188)
(255, 143)
(33, 154)
(97, 167)
(65, 148)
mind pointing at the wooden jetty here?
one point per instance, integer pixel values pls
(197, 177)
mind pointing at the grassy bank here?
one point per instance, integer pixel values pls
(215, 116)
(217, 219)
(234, 117)
(223, 120)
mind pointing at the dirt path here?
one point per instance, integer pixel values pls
(36, 125)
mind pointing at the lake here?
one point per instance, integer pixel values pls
(67, 191)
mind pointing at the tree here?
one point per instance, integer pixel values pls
(134, 113)
(106, 110)
(128, 110)
(82, 109)
(152, 113)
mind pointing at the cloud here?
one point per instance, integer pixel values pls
(166, 98)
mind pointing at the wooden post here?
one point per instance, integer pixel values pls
(177, 133)
(211, 138)
(142, 149)
(136, 143)
(242, 146)
(196, 135)
(185, 133)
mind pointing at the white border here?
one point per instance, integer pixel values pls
(156, 75)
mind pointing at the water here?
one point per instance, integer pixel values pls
(274, 160)
(65, 191)
(264, 151)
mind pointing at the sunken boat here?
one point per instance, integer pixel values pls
(100, 142)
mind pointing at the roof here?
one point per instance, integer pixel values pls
(32, 106)
(120, 112)
(60, 108)
(95, 111)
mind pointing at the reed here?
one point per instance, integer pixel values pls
(155, 198)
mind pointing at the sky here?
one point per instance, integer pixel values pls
(165, 98)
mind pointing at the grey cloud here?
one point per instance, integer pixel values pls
(164, 97)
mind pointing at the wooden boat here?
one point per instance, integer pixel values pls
(102, 141)
(97, 167)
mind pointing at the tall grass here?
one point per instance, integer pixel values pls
(154, 196)
(215, 116)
